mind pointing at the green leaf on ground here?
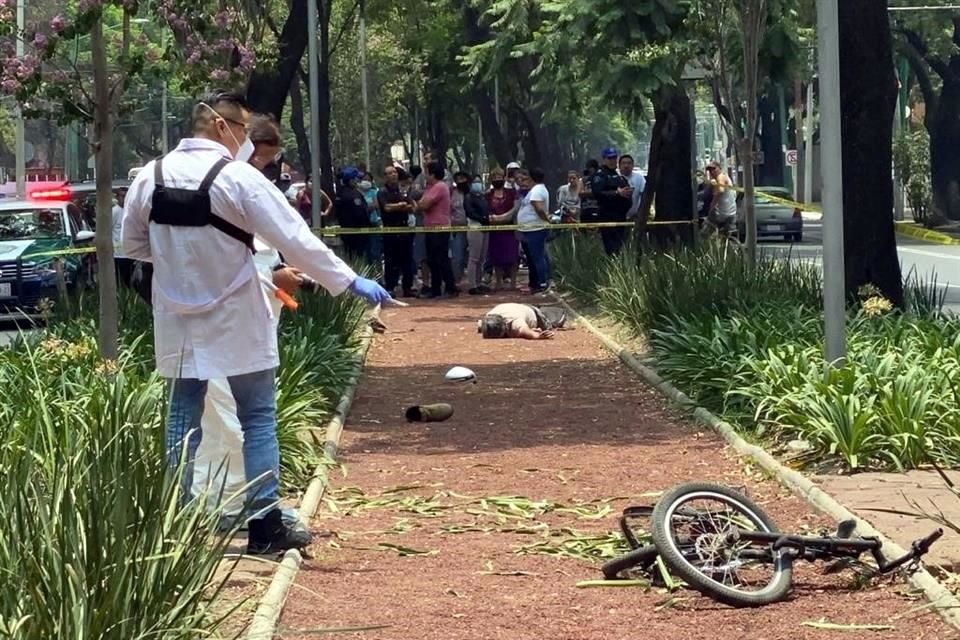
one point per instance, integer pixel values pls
(832, 626)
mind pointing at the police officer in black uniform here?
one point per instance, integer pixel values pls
(350, 207)
(614, 199)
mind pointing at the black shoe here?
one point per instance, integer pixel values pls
(452, 294)
(270, 534)
(484, 289)
(475, 291)
(409, 293)
(426, 295)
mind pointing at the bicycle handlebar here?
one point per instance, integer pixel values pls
(917, 549)
(920, 547)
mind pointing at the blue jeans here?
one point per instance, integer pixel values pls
(458, 254)
(255, 394)
(535, 246)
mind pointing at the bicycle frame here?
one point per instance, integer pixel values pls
(813, 548)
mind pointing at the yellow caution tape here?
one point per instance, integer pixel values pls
(59, 252)
(342, 231)
(791, 203)
(354, 231)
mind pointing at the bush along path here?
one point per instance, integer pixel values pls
(482, 526)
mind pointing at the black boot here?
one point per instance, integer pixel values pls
(269, 534)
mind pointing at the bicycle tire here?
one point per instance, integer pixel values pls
(641, 557)
(775, 590)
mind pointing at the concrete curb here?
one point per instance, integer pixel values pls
(263, 626)
(946, 604)
(912, 230)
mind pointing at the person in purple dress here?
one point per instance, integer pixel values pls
(504, 248)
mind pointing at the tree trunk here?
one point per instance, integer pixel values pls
(868, 93)
(772, 171)
(103, 146)
(749, 211)
(269, 85)
(944, 130)
(298, 126)
(668, 173)
(323, 79)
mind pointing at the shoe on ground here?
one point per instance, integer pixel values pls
(410, 293)
(455, 293)
(484, 289)
(426, 295)
(271, 535)
(475, 291)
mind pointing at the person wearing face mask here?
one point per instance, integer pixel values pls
(194, 214)
(352, 212)
(396, 207)
(368, 189)
(218, 467)
(478, 216)
(503, 246)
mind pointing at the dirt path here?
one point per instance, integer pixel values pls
(559, 422)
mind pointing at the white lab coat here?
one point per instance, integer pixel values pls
(639, 183)
(210, 316)
(218, 467)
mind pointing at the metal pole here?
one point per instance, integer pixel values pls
(808, 146)
(165, 142)
(313, 76)
(20, 146)
(831, 173)
(363, 87)
(481, 161)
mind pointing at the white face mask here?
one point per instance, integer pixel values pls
(365, 185)
(245, 152)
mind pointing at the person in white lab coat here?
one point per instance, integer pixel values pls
(218, 468)
(193, 214)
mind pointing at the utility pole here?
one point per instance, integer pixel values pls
(496, 98)
(363, 88)
(808, 145)
(831, 173)
(313, 75)
(20, 146)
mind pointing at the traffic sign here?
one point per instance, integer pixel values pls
(792, 158)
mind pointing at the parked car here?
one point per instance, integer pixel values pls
(774, 218)
(31, 227)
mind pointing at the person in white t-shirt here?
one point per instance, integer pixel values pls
(533, 219)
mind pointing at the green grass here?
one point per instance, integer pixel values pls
(746, 342)
(94, 537)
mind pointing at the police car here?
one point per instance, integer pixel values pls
(29, 231)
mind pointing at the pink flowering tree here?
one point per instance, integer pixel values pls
(80, 63)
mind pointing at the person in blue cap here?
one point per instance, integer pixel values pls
(351, 210)
(614, 199)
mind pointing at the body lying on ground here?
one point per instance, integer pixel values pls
(514, 320)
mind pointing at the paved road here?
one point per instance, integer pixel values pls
(926, 260)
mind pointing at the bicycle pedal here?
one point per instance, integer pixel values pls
(846, 528)
(836, 566)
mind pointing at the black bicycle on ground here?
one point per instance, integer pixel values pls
(726, 547)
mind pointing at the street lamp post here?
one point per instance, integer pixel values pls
(313, 74)
(831, 173)
(363, 86)
(20, 146)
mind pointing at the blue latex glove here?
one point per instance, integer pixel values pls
(369, 290)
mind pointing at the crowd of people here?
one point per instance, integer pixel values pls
(398, 222)
(209, 238)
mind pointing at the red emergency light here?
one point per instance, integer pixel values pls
(59, 194)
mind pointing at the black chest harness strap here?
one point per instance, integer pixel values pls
(186, 208)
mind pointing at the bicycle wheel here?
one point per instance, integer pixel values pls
(641, 558)
(699, 550)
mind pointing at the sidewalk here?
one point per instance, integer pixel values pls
(415, 547)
